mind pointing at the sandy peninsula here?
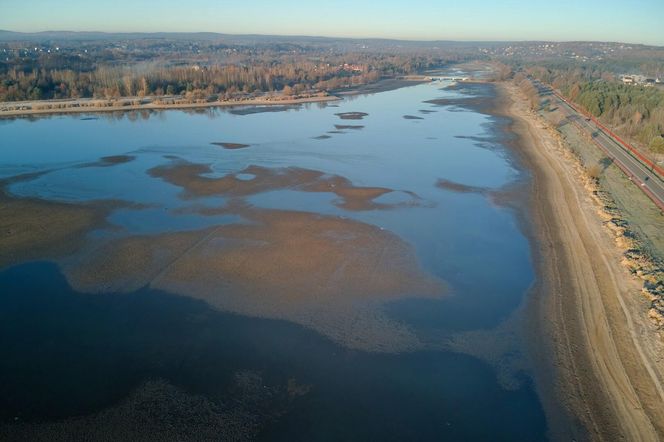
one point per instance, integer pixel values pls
(88, 105)
(596, 352)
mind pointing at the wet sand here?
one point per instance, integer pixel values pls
(36, 229)
(329, 274)
(589, 353)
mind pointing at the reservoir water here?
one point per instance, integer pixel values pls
(343, 271)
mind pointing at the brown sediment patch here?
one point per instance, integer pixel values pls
(348, 126)
(32, 228)
(412, 117)
(126, 264)
(160, 411)
(326, 273)
(330, 274)
(458, 187)
(117, 159)
(231, 145)
(110, 161)
(262, 109)
(322, 137)
(469, 102)
(512, 196)
(190, 177)
(352, 115)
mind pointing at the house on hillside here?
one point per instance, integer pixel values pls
(636, 79)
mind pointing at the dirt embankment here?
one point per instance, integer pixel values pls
(596, 353)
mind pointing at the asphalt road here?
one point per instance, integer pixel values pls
(649, 181)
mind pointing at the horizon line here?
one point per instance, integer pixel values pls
(413, 40)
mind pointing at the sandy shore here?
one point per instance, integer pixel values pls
(595, 352)
(84, 106)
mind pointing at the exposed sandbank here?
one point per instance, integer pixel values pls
(90, 106)
(36, 229)
(231, 146)
(191, 178)
(330, 274)
(352, 115)
(458, 187)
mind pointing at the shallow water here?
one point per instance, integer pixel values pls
(464, 239)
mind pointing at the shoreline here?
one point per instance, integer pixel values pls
(89, 107)
(154, 106)
(595, 380)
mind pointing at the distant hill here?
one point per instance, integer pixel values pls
(45, 36)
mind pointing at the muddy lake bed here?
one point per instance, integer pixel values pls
(308, 278)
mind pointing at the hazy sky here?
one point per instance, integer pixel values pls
(637, 21)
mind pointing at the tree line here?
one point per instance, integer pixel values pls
(288, 74)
